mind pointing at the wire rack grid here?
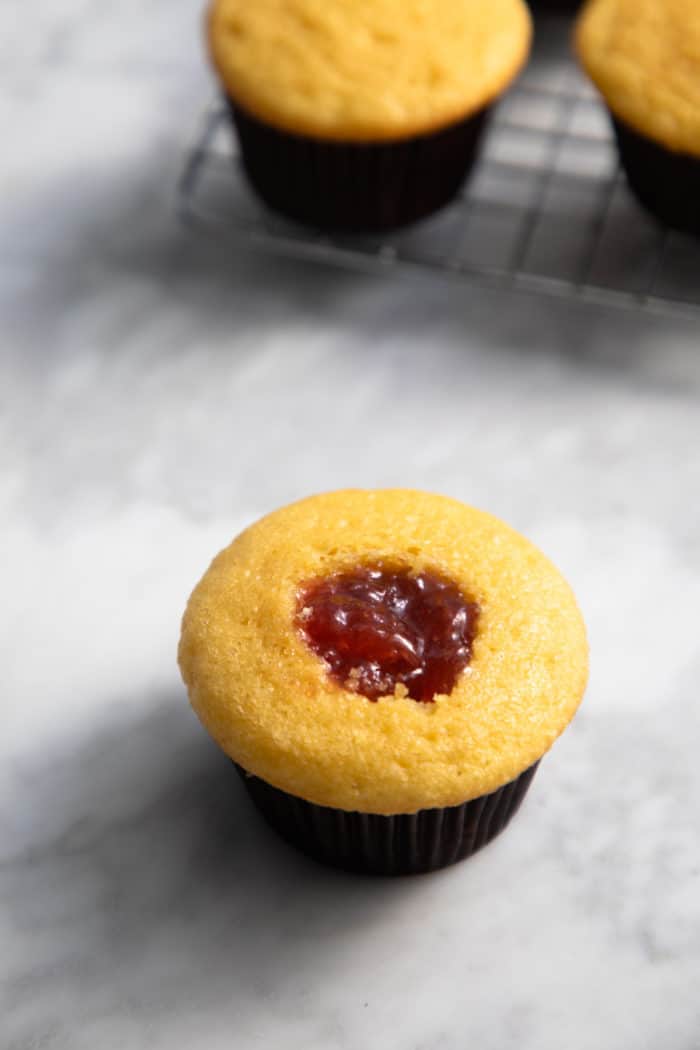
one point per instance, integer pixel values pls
(546, 210)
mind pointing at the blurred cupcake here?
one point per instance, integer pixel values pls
(386, 669)
(644, 57)
(363, 114)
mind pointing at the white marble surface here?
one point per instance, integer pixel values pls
(155, 394)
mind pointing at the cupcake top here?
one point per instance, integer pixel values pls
(644, 56)
(383, 651)
(363, 70)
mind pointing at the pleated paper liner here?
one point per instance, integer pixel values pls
(406, 844)
(557, 7)
(356, 187)
(666, 182)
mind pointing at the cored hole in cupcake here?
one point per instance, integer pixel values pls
(377, 627)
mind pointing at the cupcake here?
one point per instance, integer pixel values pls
(644, 57)
(386, 669)
(363, 115)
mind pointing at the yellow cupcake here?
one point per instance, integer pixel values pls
(363, 115)
(366, 70)
(270, 703)
(644, 56)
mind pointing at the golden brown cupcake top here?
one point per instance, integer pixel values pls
(644, 57)
(270, 702)
(366, 70)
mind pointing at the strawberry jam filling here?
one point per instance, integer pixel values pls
(377, 627)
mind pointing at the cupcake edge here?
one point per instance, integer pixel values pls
(357, 187)
(665, 182)
(374, 844)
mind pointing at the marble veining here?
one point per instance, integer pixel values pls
(156, 394)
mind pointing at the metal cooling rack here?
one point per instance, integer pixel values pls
(546, 210)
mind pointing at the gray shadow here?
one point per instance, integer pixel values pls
(117, 253)
(151, 880)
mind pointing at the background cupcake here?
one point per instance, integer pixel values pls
(386, 669)
(363, 114)
(644, 56)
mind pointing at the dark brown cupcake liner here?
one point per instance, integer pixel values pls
(406, 844)
(665, 182)
(558, 7)
(356, 187)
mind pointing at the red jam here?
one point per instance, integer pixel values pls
(377, 627)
